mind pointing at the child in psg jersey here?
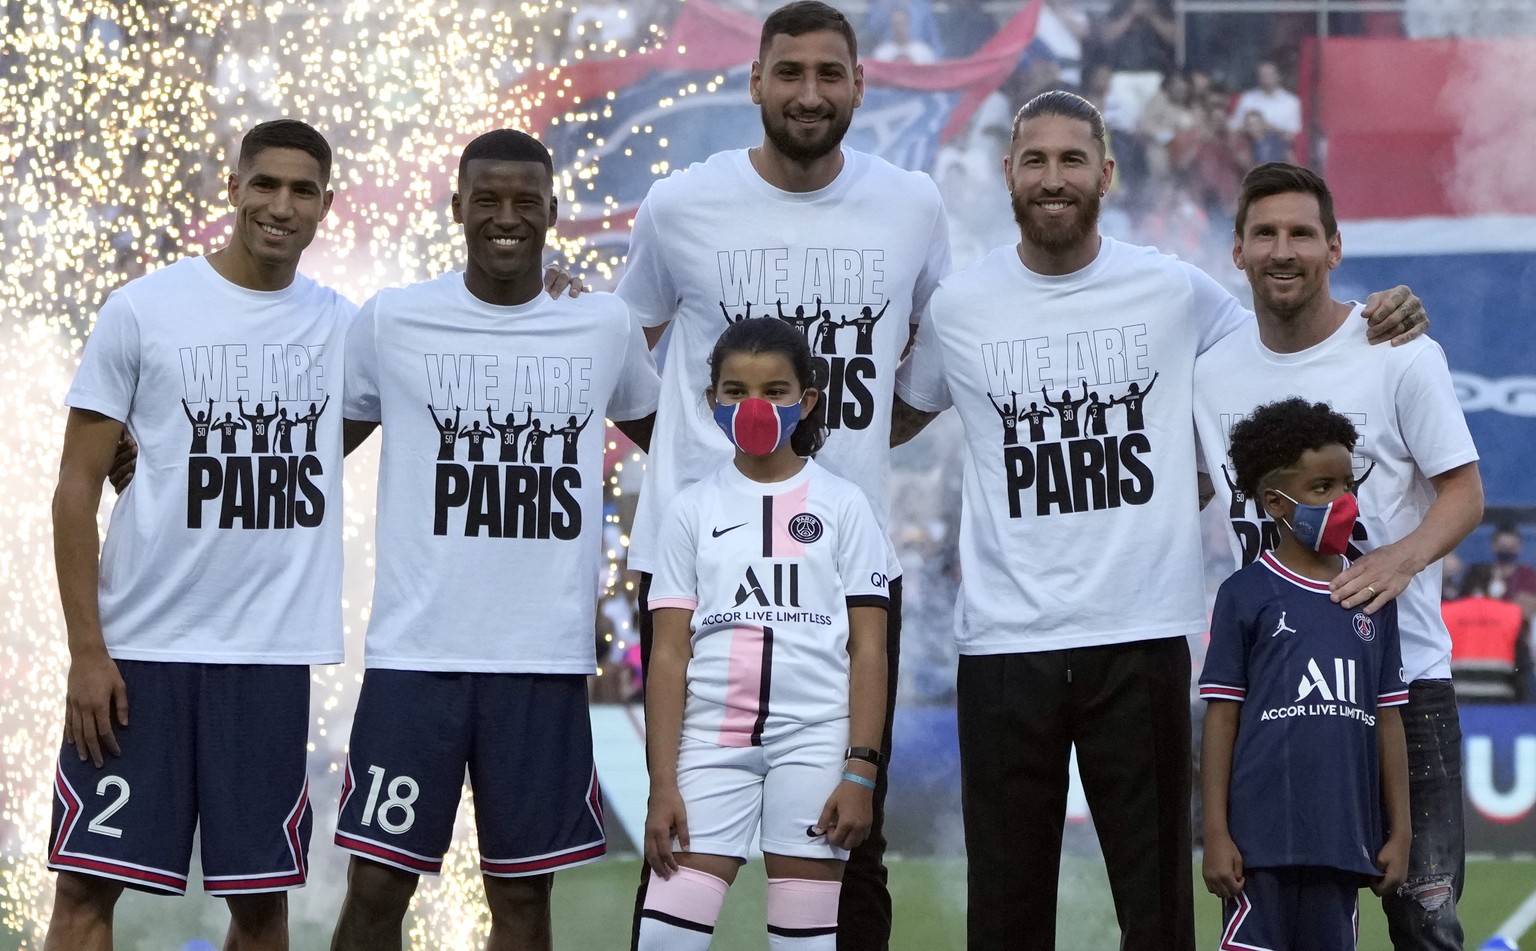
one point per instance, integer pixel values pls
(1304, 766)
(766, 692)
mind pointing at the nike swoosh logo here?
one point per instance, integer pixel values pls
(717, 532)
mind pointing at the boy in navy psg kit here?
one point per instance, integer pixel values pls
(1304, 765)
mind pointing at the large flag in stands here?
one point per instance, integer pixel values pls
(635, 119)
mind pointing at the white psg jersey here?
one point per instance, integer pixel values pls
(491, 474)
(769, 571)
(851, 266)
(226, 547)
(1403, 405)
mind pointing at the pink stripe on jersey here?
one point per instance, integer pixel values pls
(687, 604)
(744, 687)
(1221, 692)
(785, 506)
(1395, 699)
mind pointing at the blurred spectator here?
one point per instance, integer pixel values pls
(1175, 222)
(1260, 142)
(900, 45)
(966, 25)
(1211, 164)
(1512, 580)
(1451, 570)
(1060, 32)
(1167, 116)
(1278, 107)
(1489, 642)
(1138, 36)
(922, 25)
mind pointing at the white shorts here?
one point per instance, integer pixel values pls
(784, 784)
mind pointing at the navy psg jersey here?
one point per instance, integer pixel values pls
(1311, 676)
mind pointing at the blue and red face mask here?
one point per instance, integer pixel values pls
(1325, 528)
(756, 426)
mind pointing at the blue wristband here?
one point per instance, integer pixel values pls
(856, 778)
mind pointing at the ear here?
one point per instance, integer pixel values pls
(858, 85)
(1335, 250)
(755, 84)
(1274, 503)
(458, 211)
(709, 397)
(1107, 178)
(1237, 252)
(808, 401)
(325, 203)
(232, 188)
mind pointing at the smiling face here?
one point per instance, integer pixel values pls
(807, 87)
(1286, 253)
(507, 209)
(1056, 174)
(279, 197)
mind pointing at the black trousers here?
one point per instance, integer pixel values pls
(1126, 708)
(864, 908)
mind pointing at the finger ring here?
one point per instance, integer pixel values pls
(1371, 589)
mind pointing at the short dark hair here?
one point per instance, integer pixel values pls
(1506, 528)
(505, 145)
(772, 335)
(1283, 178)
(806, 16)
(1275, 435)
(1068, 105)
(286, 134)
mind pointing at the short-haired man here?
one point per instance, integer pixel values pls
(220, 580)
(1416, 479)
(480, 640)
(1080, 553)
(802, 224)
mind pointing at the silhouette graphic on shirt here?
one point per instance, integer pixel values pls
(1282, 627)
(864, 324)
(533, 452)
(1035, 416)
(259, 422)
(227, 428)
(476, 437)
(1132, 401)
(1009, 413)
(800, 320)
(1095, 412)
(731, 318)
(509, 431)
(201, 423)
(448, 432)
(1239, 506)
(826, 334)
(570, 432)
(283, 427)
(1066, 409)
(311, 422)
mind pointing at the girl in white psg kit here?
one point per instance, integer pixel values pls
(766, 693)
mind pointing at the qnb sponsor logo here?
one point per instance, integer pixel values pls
(1514, 395)
(1499, 795)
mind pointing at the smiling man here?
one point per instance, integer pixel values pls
(1081, 551)
(480, 639)
(1415, 474)
(220, 580)
(826, 237)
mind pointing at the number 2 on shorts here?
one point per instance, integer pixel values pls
(99, 824)
(397, 799)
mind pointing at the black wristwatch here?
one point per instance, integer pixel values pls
(868, 754)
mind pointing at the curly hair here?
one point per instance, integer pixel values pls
(1275, 435)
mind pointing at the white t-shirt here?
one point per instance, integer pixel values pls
(226, 547)
(1411, 427)
(769, 571)
(491, 473)
(716, 242)
(1079, 521)
(1281, 109)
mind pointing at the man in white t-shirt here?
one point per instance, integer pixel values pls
(480, 638)
(1277, 106)
(1080, 553)
(842, 245)
(220, 579)
(1416, 479)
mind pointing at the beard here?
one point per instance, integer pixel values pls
(805, 151)
(1058, 234)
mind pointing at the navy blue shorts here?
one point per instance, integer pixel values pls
(223, 746)
(526, 740)
(1293, 908)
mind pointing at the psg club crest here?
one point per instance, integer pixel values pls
(805, 528)
(1365, 627)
